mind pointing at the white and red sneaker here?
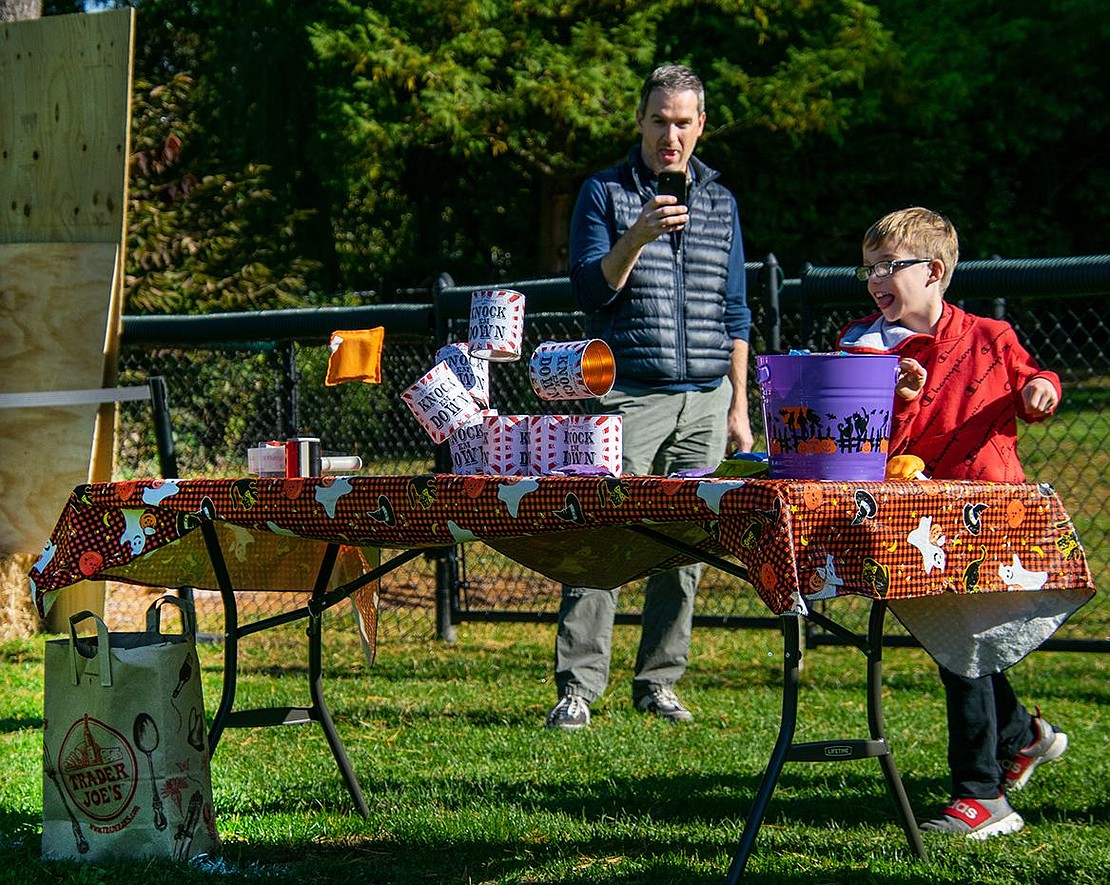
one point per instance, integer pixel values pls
(1050, 744)
(976, 819)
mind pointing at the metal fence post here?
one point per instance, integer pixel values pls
(772, 324)
(290, 406)
(807, 314)
(163, 427)
(446, 558)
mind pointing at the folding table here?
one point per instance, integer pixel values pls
(980, 573)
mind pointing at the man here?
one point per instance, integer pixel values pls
(662, 281)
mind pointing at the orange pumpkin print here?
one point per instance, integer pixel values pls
(671, 487)
(815, 583)
(812, 496)
(768, 577)
(90, 562)
(1015, 513)
(473, 485)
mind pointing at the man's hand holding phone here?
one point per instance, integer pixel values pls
(673, 184)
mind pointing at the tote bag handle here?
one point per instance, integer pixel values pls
(188, 616)
(103, 657)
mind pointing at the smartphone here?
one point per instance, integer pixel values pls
(673, 183)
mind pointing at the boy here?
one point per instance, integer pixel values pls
(964, 381)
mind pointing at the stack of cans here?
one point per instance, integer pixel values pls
(452, 400)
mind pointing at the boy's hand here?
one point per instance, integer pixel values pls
(911, 379)
(1040, 398)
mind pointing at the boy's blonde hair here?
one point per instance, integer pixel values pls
(926, 233)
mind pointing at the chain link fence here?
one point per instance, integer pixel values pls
(253, 378)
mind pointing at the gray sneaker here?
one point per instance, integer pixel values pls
(976, 819)
(571, 713)
(661, 701)
(1049, 745)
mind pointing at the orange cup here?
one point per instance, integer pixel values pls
(561, 370)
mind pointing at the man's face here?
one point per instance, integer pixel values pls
(669, 128)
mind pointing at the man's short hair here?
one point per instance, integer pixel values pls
(670, 79)
(925, 233)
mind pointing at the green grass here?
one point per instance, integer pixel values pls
(464, 786)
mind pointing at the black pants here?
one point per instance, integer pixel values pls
(986, 728)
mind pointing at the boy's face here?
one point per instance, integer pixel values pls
(911, 296)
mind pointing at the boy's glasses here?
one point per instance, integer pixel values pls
(882, 269)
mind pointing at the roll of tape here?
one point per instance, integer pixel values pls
(302, 456)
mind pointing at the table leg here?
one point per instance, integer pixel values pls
(785, 749)
(233, 632)
(231, 635)
(319, 711)
(791, 668)
(878, 730)
(833, 750)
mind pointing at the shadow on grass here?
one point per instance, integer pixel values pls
(847, 800)
(1047, 812)
(11, 726)
(675, 830)
(660, 830)
(660, 860)
(12, 822)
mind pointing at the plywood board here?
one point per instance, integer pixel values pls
(65, 89)
(54, 322)
(65, 116)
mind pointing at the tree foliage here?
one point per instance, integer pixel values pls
(332, 146)
(201, 242)
(489, 114)
(995, 114)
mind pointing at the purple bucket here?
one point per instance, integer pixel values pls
(827, 416)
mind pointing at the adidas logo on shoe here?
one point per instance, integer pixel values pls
(976, 819)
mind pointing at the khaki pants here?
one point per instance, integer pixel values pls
(662, 433)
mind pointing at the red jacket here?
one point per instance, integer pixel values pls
(963, 424)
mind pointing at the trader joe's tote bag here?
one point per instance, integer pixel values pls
(125, 746)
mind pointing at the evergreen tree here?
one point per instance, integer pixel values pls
(289, 152)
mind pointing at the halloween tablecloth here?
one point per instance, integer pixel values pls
(801, 541)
